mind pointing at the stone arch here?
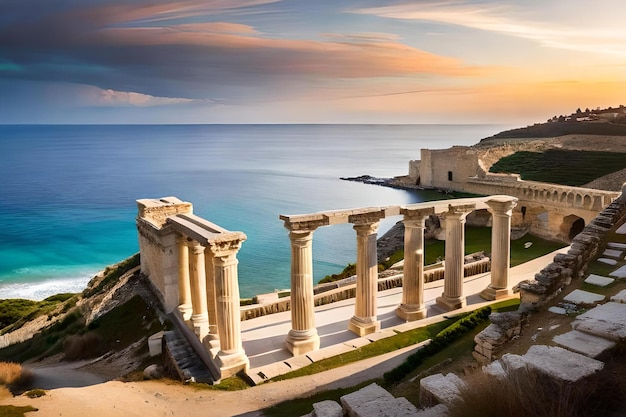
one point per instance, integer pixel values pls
(570, 198)
(572, 225)
(579, 199)
(587, 201)
(555, 196)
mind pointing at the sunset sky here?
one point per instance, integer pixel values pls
(308, 61)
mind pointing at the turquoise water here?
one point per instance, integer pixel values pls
(68, 192)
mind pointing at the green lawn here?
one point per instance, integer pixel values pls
(559, 166)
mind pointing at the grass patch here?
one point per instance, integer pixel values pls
(376, 348)
(35, 393)
(14, 411)
(478, 239)
(559, 166)
(14, 313)
(111, 276)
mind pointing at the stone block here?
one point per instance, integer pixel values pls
(512, 363)
(560, 364)
(598, 280)
(585, 343)
(607, 261)
(440, 389)
(616, 245)
(619, 272)
(620, 297)
(606, 320)
(374, 401)
(439, 410)
(327, 408)
(621, 230)
(613, 253)
(494, 369)
(557, 310)
(583, 297)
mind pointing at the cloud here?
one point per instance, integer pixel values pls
(154, 48)
(575, 25)
(126, 98)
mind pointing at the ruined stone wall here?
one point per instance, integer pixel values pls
(446, 169)
(551, 280)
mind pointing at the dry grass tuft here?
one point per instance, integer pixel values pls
(14, 377)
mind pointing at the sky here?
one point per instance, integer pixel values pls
(308, 61)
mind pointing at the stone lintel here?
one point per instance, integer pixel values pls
(158, 210)
(460, 209)
(304, 223)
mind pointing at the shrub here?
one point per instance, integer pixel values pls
(440, 341)
(35, 393)
(14, 376)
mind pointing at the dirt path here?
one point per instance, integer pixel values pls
(157, 398)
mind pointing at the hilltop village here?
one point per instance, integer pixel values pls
(414, 339)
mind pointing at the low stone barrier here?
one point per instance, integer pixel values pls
(551, 280)
(344, 289)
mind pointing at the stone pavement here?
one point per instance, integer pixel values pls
(264, 337)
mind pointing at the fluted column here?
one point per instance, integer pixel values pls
(211, 298)
(365, 320)
(412, 307)
(302, 337)
(452, 297)
(199, 317)
(231, 357)
(184, 289)
(501, 209)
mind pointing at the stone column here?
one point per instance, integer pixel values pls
(199, 317)
(184, 289)
(302, 337)
(412, 307)
(501, 209)
(211, 299)
(364, 320)
(231, 357)
(452, 297)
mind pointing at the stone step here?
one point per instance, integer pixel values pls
(607, 320)
(186, 361)
(374, 401)
(584, 343)
(440, 389)
(583, 297)
(599, 280)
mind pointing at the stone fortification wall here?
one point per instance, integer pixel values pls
(551, 280)
(447, 169)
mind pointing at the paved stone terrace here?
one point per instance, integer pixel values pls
(264, 337)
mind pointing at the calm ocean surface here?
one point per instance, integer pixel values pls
(67, 206)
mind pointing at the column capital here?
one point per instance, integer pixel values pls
(366, 229)
(459, 211)
(226, 246)
(366, 218)
(196, 248)
(419, 214)
(501, 205)
(303, 225)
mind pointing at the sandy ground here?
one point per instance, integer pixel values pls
(164, 398)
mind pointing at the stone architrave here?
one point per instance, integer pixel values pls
(199, 316)
(365, 319)
(231, 357)
(184, 286)
(501, 209)
(412, 307)
(452, 297)
(302, 337)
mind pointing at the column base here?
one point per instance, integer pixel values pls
(450, 304)
(409, 312)
(491, 293)
(299, 342)
(231, 363)
(361, 327)
(185, 311)
(200, 325)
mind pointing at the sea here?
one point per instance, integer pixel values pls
(68, 192)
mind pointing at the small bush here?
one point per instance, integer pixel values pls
(14, 376)
(35, 393)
